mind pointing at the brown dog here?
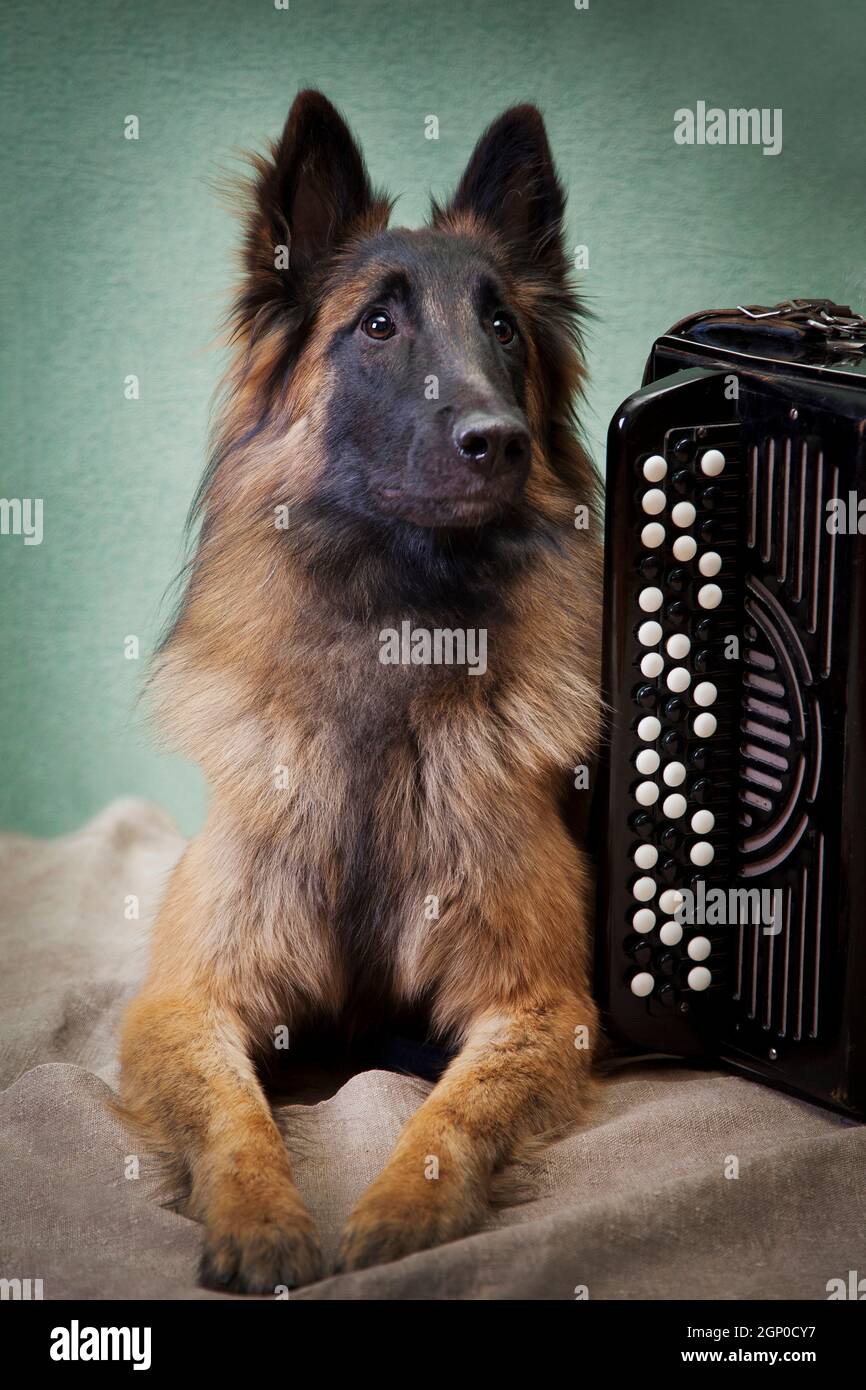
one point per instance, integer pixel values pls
(385, 662)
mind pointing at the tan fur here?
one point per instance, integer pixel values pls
(261, 674)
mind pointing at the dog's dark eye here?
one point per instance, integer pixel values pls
(378, 325)
(504, 329)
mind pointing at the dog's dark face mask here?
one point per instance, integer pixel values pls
(426, 418)
(427, 379)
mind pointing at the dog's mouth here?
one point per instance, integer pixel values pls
(480, 508)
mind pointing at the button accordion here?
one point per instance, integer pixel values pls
(732, 876)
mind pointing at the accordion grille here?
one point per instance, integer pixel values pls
(787, 651)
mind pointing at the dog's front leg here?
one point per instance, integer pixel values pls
(524, 1070)
(187, 1079)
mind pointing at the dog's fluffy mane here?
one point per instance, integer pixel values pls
(265, 607)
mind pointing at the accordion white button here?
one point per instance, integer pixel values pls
(710, 563)
(644, 889)
(652, 665)
(674, 774)
(678, 646)
(646, 793)
(655, 469)
(650, 600)
(699, 977)
(645, 856)
(685, 547)
(705, 694)
(652, 535)
(649, 634)
(709, 596)
(649, 728)
(679, 679)
(703, 822)
(712, 463)
(674, 806)
(683, 514)
(699, 948)
(702, 853)
(642, 984)
(653, 501)
(705, 725)
(643, 920)
(647, 762)
(670, 900)
(671, 934)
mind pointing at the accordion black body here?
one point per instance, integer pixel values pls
(732, 878)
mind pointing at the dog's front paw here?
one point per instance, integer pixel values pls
(261, 1254)
(395, 1218)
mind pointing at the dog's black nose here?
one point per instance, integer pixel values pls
(492, 443)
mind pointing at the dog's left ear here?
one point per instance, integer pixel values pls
(511, 184)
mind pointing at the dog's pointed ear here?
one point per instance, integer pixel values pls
(511, 185)
(311, 193)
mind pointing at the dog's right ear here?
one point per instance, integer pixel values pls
(308, 196)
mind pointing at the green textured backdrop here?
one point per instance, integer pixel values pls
(118, 256)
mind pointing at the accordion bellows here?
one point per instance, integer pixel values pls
(733, 871)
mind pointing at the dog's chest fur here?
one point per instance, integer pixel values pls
(401, 791)
(373, 826)
(363, 812)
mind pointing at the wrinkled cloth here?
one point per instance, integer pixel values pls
(637, 1204)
